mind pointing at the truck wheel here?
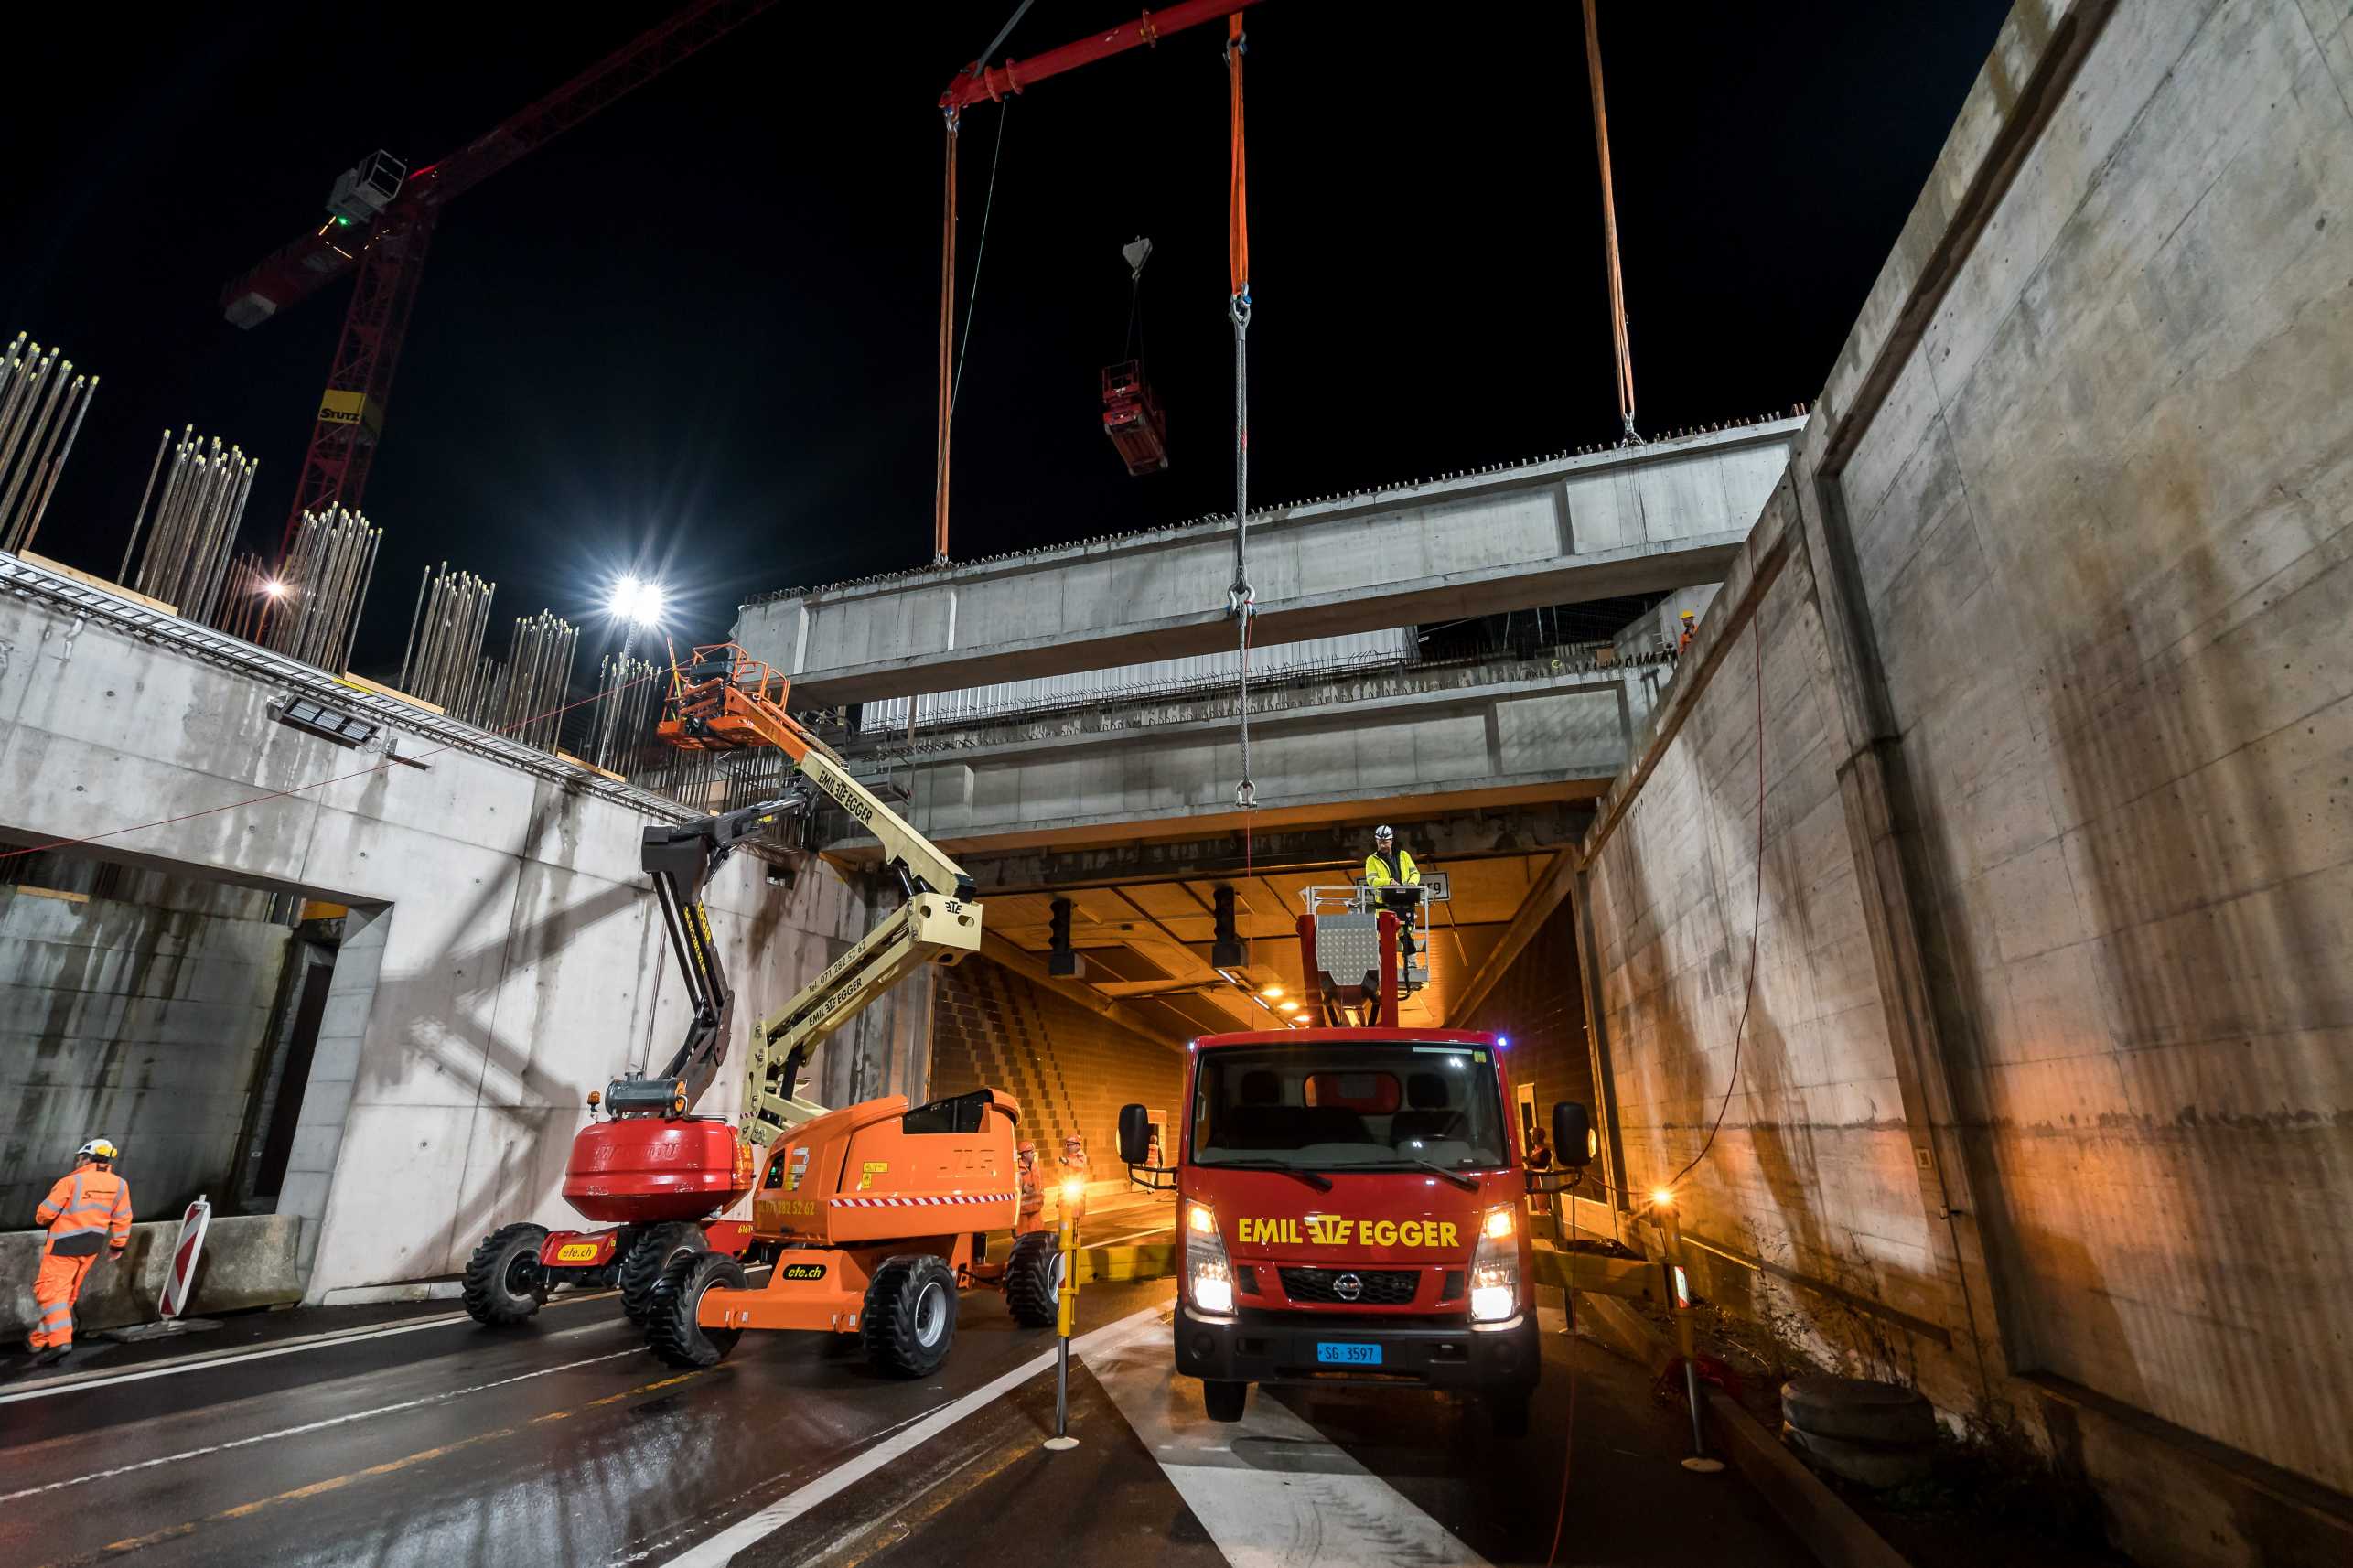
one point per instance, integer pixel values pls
(504, 1283)
(656, 1247)
(1033, 1280)
(910, 1315)
(671, 1327)
(1506, 1415)
(1224, 1401)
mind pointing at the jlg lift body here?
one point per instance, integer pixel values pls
(1352, 1201)
(929, 1181)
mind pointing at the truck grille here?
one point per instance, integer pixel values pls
(1377, 1287)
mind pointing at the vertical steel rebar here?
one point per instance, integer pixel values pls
(49, 483)
(138, 518)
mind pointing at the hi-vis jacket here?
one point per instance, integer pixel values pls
(86, 1212)
(1377, 872)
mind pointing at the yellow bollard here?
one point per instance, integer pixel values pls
(1066, 1310)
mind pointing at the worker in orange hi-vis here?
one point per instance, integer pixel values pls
(1074, 1167)
(88, 1211)
(1684, 642)
(1033, 1190)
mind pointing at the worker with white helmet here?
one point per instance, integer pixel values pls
(88, 1211)
(1390, 864)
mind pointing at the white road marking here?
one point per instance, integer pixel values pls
(718, 1550)
(442, 1397)
(1320, 1508)
(76, 1382)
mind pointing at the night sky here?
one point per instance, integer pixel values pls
(698, 334)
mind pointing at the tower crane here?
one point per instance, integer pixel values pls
(380, 223)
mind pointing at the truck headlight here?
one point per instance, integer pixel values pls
(1495, 1268)
(1208, 1276)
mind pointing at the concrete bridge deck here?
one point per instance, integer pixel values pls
(1642, 519)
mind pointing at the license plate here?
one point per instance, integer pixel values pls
(1347, 1355)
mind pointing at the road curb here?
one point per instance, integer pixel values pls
(1833, 1533)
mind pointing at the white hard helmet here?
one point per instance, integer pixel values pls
(1384, 831)
(96, 1149)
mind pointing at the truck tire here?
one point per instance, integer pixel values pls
(1033, 1280)
(649, 1256)
(1224, 1401)
(1507, 1413)
(671, 1327)
(909, 1319)
(504, 1283)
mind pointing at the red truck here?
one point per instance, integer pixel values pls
(1352, 1204)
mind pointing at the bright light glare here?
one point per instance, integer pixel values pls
(1290, 1006)
(637, 600)
(1662, 1197)
(1499, 1223)
(1074, 1189)
(1491, 1303)
(1212, 1290)
(1271, 993)
(1199, 1217)
(274, 587)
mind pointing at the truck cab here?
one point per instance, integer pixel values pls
(1353, 1206)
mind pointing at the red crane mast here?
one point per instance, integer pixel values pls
(387, 252)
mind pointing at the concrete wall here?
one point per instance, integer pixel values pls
(1539, 1006)
(1617, 522)
(2042, 1081)
(144, 1024)
(503, 956)
(1070, 1068)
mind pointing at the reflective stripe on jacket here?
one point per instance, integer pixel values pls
(85, 1211)
(1377, 871)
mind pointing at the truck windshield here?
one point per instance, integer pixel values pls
(1340, 1107)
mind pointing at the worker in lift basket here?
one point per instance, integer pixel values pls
(1033, 1190)
(87, 1210)
(1391, 865)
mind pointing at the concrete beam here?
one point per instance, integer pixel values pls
(1436, 752)
(997, 950)
(1338, 847)
(1668, 515)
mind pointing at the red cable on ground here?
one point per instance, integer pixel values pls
(315, 784)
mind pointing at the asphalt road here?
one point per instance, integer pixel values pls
(420, 1440)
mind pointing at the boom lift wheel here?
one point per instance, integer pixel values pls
(671, 1327)
(504, 1283)
(909, 1319)
(1224, 1401)
(1033, 1280)
(649, 1255)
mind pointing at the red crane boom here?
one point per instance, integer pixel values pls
(388, 253)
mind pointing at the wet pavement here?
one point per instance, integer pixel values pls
(411, 1436)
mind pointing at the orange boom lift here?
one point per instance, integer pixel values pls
(878, 1213)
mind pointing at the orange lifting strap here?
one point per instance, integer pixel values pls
(1237, 228)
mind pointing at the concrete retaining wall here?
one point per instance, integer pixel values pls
(503, 956)
(249, 1261)
(2042, 1086)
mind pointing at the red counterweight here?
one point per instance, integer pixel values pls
(638, 1170)
(1131, 418)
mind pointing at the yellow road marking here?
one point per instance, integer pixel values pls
(114, 1549)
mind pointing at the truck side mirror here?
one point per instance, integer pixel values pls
(1134, 1135)
(1574, 1143)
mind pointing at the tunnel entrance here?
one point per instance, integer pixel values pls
(205, 1026)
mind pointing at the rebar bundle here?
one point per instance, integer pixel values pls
(445, 648)
(523, 697)
(629, 695)
(325, 587)
(193, 528)
(250, 596)
(41, 405)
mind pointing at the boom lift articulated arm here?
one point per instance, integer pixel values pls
(723, 700)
